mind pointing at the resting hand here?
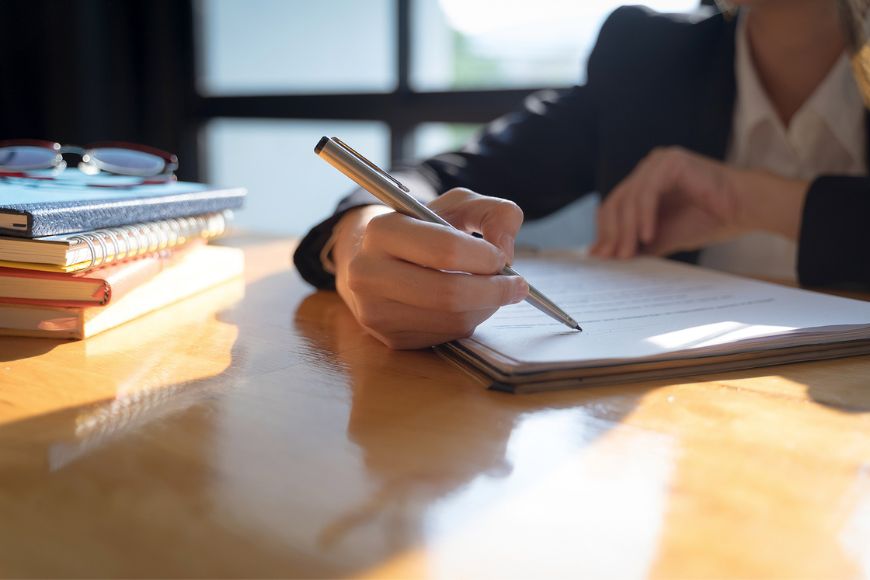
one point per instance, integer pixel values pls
(677, 200)
(413, 284)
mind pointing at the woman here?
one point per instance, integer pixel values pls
(739, 143)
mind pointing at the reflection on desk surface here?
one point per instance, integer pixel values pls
(275, 439)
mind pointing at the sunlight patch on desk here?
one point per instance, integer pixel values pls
(855, 538)
(155, 351)
(568, 481)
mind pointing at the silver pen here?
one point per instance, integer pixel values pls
(389, 190)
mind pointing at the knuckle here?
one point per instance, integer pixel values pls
(458, 194)
(655, 155)
(357, 275)
(510, 210)
(377, 228)
(677, 162)
(664, 153)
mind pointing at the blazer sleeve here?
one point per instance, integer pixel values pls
(834, 243)
(542, 157)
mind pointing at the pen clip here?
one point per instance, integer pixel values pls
(374, 167)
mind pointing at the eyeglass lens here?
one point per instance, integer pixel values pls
(21, 157)
(126, 161)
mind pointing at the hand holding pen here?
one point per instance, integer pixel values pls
(407, 279)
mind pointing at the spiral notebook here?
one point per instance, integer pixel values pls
(77, 252)
(33, 208)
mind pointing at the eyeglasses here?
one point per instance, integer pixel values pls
(36, 159)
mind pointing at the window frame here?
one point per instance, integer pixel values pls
(402, 110)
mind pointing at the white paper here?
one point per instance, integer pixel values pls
(650, 309)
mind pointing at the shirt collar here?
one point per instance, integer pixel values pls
(836, 100)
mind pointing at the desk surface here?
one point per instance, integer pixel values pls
(273, 438)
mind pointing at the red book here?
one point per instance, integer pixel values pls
(95, 287)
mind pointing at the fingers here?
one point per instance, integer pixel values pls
(432, 245)
(412, 339)
(640, 203)
(406, 283)
(387, 319)
(497, 220)
(618, 217)
(628, 218)
(627, 236)
(412, 284)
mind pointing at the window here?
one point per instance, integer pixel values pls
(289, 188)
(462, 44)
(269, 47)
(398, 79)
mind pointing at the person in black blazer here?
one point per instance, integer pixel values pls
(650, 131)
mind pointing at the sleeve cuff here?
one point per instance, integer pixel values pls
(834, 239)
(313, 254)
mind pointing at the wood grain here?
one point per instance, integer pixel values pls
(270, 437)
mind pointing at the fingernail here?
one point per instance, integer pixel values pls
(505, 242)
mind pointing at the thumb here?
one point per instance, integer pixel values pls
(497, 220)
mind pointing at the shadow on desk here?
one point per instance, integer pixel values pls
(850, 394)
(30, 348)
(278, 439)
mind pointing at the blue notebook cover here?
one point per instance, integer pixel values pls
(31, 208)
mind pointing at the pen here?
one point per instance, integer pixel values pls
(389, 190)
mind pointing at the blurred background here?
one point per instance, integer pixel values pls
(242, 90)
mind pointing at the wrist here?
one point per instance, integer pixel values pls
(768, 202)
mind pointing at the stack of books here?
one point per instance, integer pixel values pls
(75, 261)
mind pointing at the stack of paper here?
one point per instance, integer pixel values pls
(650, 318)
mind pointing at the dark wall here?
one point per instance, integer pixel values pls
(93, 70)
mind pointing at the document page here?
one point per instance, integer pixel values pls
(650, 308)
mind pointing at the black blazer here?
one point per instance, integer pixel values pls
(653, 80)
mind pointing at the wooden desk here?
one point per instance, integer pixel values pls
(276, 439)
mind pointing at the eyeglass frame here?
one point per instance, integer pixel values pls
(170, 160)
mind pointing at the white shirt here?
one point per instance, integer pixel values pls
(825, 136)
